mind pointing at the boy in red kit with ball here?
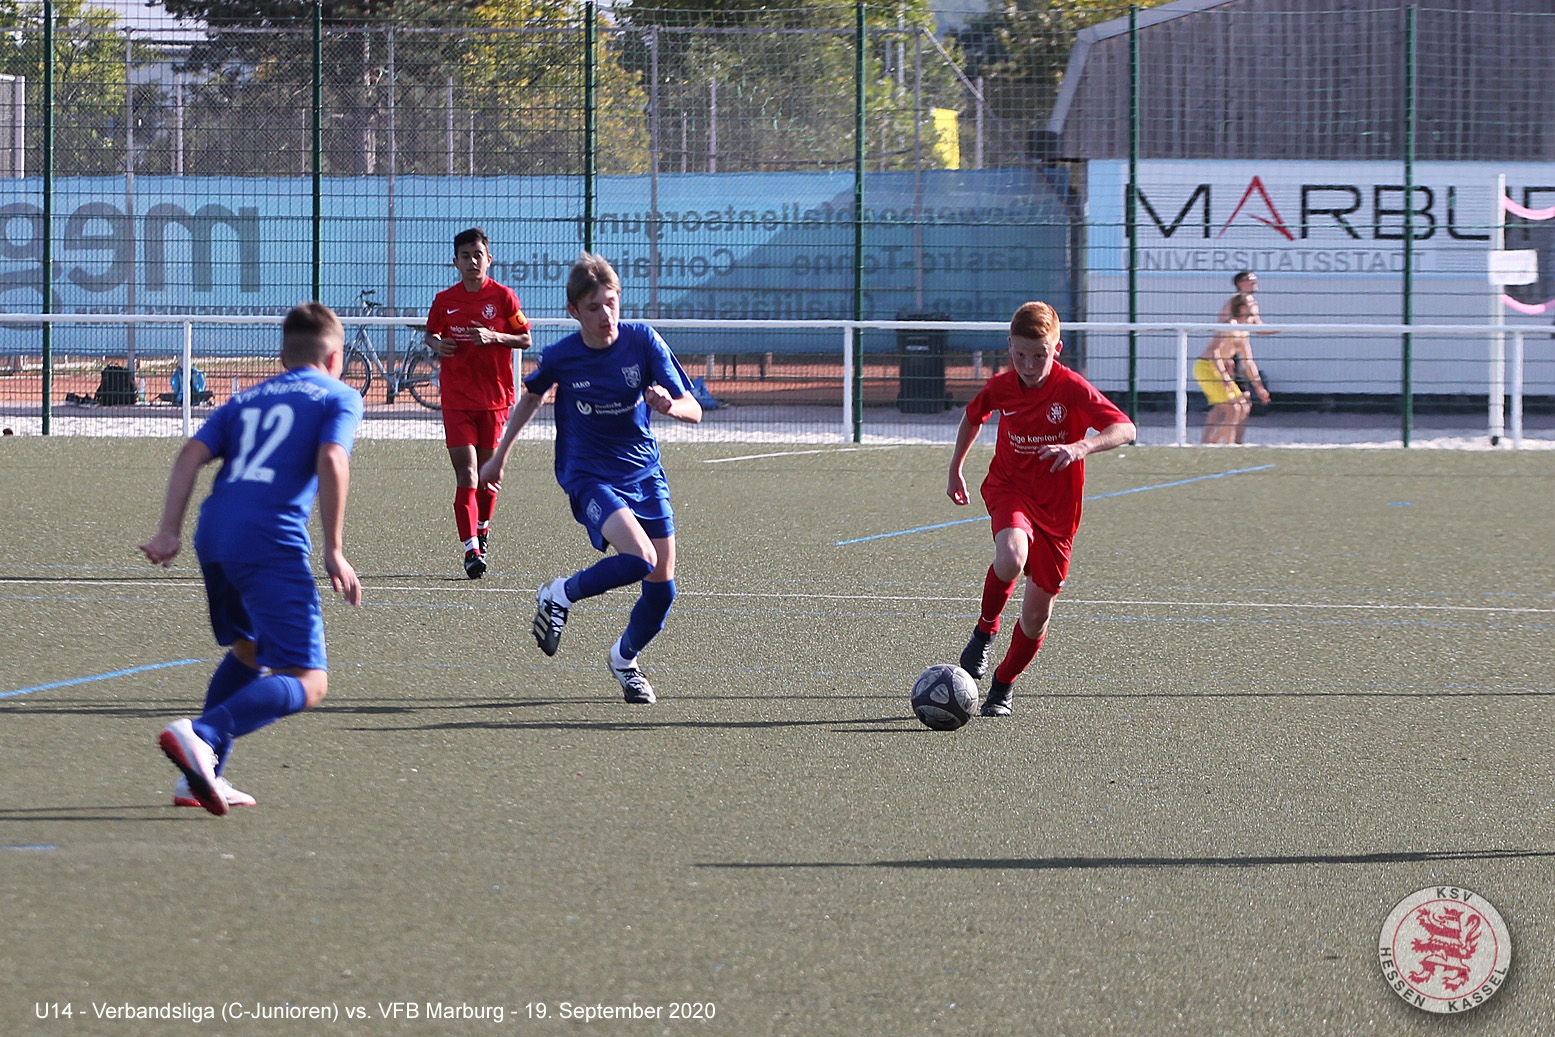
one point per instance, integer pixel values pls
(1033, 489)
(475, 326)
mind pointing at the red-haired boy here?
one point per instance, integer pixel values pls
(1033, 489)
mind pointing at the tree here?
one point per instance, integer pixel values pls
(776, 86)
(88, 83)
(251, 79)
(527, 63)
(1021, 50)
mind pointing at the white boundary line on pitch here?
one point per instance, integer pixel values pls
(796, 453)
(804, 596)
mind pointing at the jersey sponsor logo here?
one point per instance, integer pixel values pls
(1008, 413)
(633, 375)
(579, 385)
(1445, 949)
(488, 311)
(1031, 444)
(607, 409)
(453, 311)
(1057, 412)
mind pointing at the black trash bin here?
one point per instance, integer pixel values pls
(921, 378)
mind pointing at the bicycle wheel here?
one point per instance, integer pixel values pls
(356, 371)
(423, 368)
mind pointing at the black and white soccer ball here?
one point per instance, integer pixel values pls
(944, 697)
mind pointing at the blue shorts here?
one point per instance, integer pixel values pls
(648, 500)
(275, 604)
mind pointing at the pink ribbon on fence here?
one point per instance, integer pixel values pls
(1526, 213)
(1532, 309)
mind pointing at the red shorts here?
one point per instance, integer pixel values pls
(1047, 559)
(481, 429)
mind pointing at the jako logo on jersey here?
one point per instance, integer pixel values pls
(488, 311)
(584, 408)
(580, 385)
(1056, 413)
(633, 376)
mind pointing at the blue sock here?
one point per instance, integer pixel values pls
(259, 703)
(230, 678)
(225, 682)
(607, 574)
(647, 616)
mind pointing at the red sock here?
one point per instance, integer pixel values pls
(1018, 656)
(485, 501)
(996, 595)
(464, 512)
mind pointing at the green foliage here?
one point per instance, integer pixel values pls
(785, 96)
(1021, 49)
(88, 82)
(533, 75)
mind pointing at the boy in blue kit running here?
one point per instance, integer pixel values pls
(281, 443)
(608, 376)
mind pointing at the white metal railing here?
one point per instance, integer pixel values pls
(1494, 334)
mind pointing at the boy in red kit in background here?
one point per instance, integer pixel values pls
(475, 326)
(1033, 489)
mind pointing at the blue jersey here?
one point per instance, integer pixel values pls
(602, 433)
(268, 438)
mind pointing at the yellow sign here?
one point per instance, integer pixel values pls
(947, 137)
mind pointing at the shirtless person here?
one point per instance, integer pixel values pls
(1244, 283)
(1215, 371)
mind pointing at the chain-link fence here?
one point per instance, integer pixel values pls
(811, 162)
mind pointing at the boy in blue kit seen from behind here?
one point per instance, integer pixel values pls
(281, 443)
(608, 376)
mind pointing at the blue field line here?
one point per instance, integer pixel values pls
(1099, 496)
(98, 677)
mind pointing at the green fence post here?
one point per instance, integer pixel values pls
(590, 125)
(857, 388)
(1131, 211)
(48, 214)
(318, 150)
(1407, 420)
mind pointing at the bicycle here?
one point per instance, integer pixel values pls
(417, 372)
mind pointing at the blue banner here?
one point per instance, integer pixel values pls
(728, 246)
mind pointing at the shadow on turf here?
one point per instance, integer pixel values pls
(138, 812)
(103, 710)
(1092, 863)
(640, 725)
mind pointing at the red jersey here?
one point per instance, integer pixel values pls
(476, 377)
(1060, 410)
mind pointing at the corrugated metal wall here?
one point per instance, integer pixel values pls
(1301, 79)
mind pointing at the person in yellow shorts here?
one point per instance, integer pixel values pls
(1215, 371)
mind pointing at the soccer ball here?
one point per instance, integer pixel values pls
(944, 697)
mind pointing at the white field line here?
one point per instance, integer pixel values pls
(796, 453)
